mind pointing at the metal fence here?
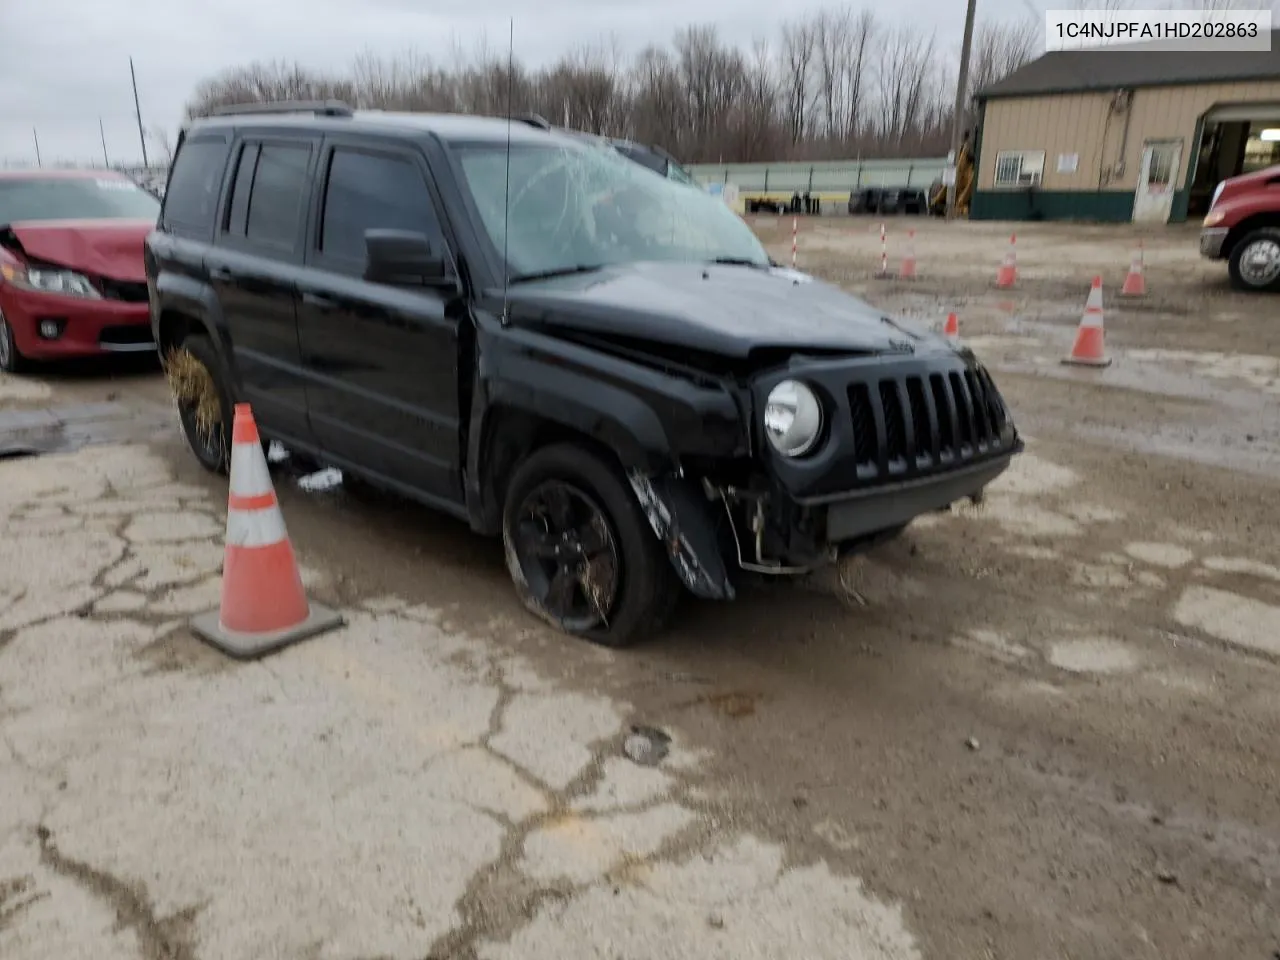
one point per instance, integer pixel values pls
(831, 176)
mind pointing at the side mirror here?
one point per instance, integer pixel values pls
(403, 257)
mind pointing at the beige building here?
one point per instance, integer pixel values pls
(1116, 136)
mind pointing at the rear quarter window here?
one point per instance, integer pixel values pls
(191, 198)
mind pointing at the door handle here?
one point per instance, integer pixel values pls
(319, 301)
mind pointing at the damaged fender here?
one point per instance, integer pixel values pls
(681, 523)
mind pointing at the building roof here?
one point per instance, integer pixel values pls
(1077, 71)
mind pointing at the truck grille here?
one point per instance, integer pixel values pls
(908, 424)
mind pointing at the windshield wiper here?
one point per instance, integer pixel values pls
(557, 272)
(738, 262)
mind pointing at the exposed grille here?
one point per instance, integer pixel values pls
(912, 423)
(123, 290)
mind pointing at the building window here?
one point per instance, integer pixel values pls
(1019, 168)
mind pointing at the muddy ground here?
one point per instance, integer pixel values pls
(1046, 726)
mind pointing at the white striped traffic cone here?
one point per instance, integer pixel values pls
(1089, 349)
(264, 606)
(1007, 275)
(1135, 284)
(908, 269)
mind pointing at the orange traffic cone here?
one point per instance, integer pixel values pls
(908, 269)
(951, 329)
(264, 606)
(1008, 271)
(1135, 284)
(1089, 349)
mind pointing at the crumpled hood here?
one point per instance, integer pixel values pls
(720, 309)
(108, 248)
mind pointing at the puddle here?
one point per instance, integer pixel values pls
(1257, 370)
(1095, 655)
(1209, 447)
(1030, 475)
(1243, 565)
(1169, 555)
(1232, 618)
(25, 433)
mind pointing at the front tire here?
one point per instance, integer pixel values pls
(1254, 264)
(580, 552)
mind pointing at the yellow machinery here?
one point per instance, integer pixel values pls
(965, 175)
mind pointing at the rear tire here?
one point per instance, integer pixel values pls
(11, 358)
(208, 433)
(617, 586)
(1254, 264)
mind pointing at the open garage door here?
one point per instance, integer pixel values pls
(1237, 138)
(1243, 113)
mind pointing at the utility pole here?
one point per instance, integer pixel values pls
(36, 137)
(142, 137)
(103, 133)
(961, 88)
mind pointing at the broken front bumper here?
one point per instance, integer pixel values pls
(905, 437)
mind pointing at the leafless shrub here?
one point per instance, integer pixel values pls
(837, 83)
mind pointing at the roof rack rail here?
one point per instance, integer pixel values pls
(533, 120)
(321, 108)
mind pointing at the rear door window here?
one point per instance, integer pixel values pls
(277, 199)
(191, 199)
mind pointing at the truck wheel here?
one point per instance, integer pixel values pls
(1255, 261)
(580, 551)
(204, 405)
(11, 359)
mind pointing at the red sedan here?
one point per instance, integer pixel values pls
(72, 282)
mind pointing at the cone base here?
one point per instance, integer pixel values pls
(1087, 361)
(249, 646)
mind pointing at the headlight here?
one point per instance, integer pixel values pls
(792, 418)
(1213, 218)
(1217, 192)
(66, 283)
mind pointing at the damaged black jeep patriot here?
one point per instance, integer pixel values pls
(597, 364)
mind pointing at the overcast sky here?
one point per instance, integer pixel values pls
(65, 63)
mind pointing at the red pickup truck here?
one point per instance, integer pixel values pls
(1243, 228)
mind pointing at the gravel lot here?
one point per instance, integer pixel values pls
(1046, 726)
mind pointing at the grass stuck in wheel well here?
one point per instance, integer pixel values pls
(192, 385)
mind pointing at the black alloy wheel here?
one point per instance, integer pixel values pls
(580, 551)
(568, 555)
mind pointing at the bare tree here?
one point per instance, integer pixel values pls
(798, 44)
(835, 83)
(160, 137)
(998, 50)
(864, 29)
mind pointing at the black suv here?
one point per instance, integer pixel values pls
(601, 366)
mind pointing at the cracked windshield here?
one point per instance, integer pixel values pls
(573, 207)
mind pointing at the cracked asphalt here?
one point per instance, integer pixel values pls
(1042, 727)
(397, 788)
